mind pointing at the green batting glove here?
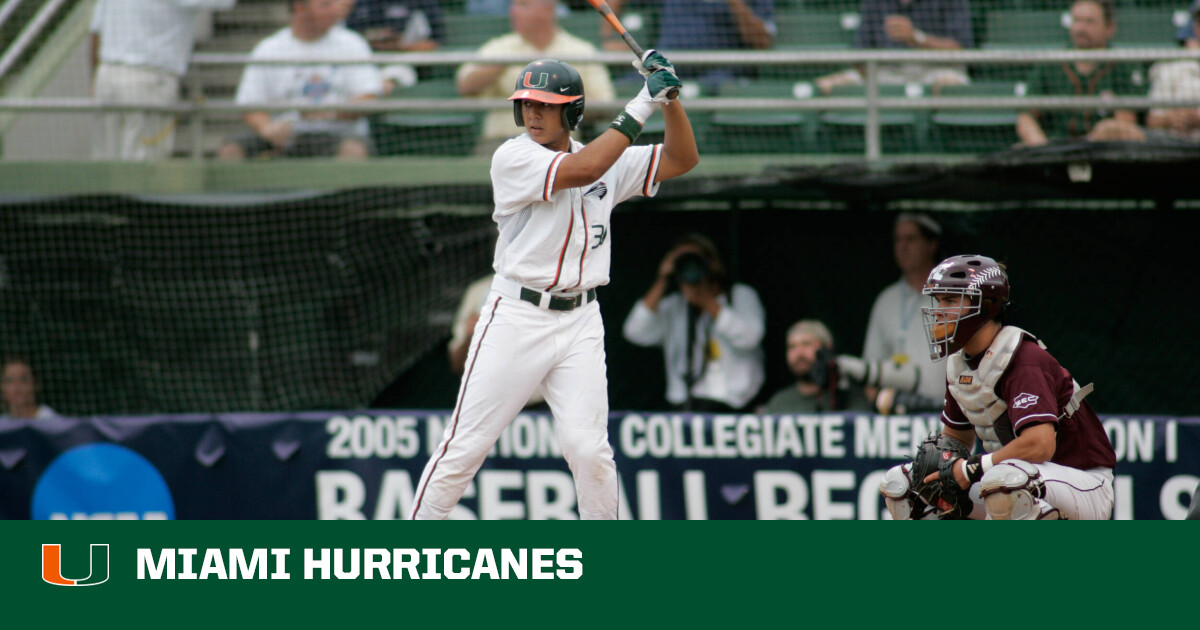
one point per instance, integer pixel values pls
(652, 60)
(660, 84)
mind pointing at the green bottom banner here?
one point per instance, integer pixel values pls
(217, 573)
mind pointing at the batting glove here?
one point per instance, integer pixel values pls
(642, 105)
(651, 61)
(660, 84)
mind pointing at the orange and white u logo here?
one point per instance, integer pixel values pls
(52, 566)
(543, 80)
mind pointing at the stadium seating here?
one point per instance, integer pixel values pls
(764, 131)
(810, 31)
(844, 131)
(1013, 29)
(468, 32)
(974, 130)
(585, 26)
(1142, 27)
(432, 133)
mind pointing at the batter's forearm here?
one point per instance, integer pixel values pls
(592, 162)
(680, 154)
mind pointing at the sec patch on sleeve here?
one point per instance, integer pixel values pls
(1024, 401)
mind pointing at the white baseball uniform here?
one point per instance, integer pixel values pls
(541, 324)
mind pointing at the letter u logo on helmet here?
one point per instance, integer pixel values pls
(554, 82)
(543, 81)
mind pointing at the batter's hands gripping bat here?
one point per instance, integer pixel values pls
(607, 12)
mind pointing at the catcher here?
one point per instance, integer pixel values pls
(1045, 453)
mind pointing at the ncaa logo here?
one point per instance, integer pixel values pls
(103, 482)
(52, 566)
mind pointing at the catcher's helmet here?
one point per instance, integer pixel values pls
(550, 81)
(979, 279)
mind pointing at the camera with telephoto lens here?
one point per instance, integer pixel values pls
(690, 269)
(825, 368)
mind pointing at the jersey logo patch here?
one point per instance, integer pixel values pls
(1024, 401)
(599, 190)
(965, 379)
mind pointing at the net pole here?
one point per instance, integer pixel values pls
(873, 147)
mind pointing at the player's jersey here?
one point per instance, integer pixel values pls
(558, 240)
(1035, 388)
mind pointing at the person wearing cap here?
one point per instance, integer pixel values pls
(535, 34)
(1175, 80)
(894, 331)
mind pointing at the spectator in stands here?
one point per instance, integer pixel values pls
(392, 26)
(312, 34)
(19, 391)
(463, 331)
(1177, 79)
(710, 329)
(139, 51)
(707, 25)
(910, 24)
(895, 330)
(1093, 24)
(536, 34)
(817, 388)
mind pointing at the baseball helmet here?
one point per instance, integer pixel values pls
(550, 81)
(984, 284)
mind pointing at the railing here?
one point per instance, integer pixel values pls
(872, 103)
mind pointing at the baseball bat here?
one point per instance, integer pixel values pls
(607, 12)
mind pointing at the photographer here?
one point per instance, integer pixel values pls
(820, 385)
(710, 329)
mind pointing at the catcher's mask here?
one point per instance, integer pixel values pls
(550, 81)
(983, 285)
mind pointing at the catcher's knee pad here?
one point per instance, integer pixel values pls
(896, 488)
(1013, 490)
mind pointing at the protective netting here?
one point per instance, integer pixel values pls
(680, 28)
(138, 304)
(231, 303)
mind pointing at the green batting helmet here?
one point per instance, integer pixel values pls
(550, 81)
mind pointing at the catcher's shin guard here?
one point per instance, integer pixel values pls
(902, 502)
(1013, 490)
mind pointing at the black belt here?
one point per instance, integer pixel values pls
(558, 303)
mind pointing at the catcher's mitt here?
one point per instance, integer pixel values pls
(937, 454)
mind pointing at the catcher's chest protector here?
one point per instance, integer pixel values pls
(975, 390)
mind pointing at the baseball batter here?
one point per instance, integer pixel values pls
(1046, 455)
(541, 323)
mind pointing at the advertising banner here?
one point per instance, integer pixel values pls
(364, 466)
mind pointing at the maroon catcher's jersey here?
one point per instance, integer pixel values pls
(1036, 389)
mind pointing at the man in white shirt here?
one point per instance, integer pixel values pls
(140, 49)
(719, 366)
(535, 34)
(314, 33)
(894, 332)
(541, 325)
